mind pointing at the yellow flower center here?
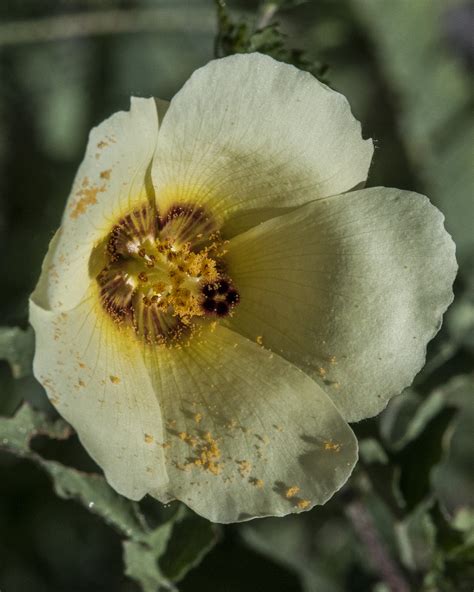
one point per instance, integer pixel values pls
(164, 275)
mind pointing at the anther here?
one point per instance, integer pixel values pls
(209, 290)
(223, 287)
(232, 297)
(209, 305)
(222, 308)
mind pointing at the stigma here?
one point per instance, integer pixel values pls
(164, 276)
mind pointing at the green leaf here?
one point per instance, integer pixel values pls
(372, 452)
(452, 479)
(92, 491)
(143, 546)
(16, 347)
(17, 432)
(407, 416)
(191, 539)
(433, 98)
(141, 560)
(416, 536)
(307, 544)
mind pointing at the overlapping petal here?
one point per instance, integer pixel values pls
(249, 133)
(99, 383)
(111, 179)
(339, 294)
(247, 433)
(350, 288)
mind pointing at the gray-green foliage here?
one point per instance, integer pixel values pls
(415, 476)
(261, 34)
(146, 549)
(434, 96)
(16, 347)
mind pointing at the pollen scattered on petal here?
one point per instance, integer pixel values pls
(198, 417)
(105, 174)
(330, 445)
(86, 196)
(114, 379)
(258, 483)
(303, 504)
(292, 491)
(149, 438)
(259, 339)
(244, 467)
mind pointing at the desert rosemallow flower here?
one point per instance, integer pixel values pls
(218, 304)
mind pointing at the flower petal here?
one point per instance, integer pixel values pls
(350, 288)
(247, 132)
(100, 385)
(111, 179)
(248, 433)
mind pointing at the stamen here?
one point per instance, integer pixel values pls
(163, 274)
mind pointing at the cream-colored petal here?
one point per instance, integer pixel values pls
(350, 288)
(100, 385)
(110, 181)
(248, 434)
(249, 132)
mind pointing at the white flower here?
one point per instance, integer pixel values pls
(216, 306)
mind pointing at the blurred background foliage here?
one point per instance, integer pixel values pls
(405, 520)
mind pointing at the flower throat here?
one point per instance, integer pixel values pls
(164, 275)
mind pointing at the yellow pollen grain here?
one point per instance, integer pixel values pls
(321, 372)
(190, 440)
(198, 417)
(148, 438)
(303, 504)
(259, 339)
(244, 467)
(330, 445)
(258, 483)
(332, 359)
(86, 196)
(114, 379)
(81, 383)
(292, 491)
(105, 174)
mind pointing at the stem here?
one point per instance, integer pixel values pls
(105, 22)
(376, 548)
